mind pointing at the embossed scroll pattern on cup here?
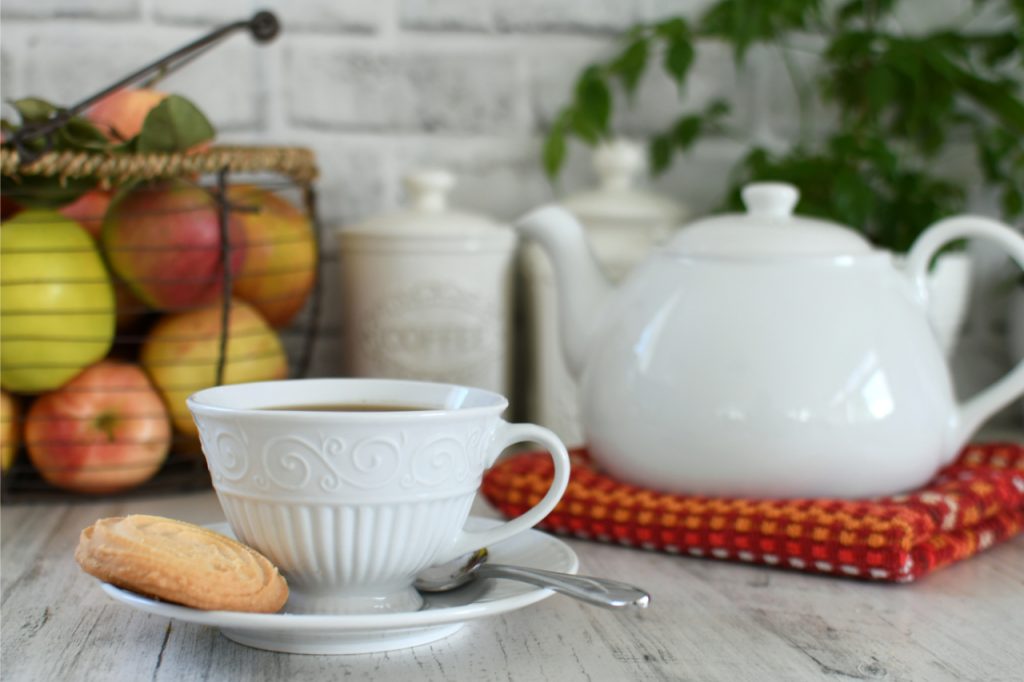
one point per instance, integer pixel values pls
(292, 462)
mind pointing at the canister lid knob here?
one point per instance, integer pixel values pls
(428, 189)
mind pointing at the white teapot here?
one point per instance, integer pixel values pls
(766, 355)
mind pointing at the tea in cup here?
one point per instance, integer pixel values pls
(353, 486)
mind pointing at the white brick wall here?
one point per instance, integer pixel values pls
(462, 90)
(378, 87)
(50, 9)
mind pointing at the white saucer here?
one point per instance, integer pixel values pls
(441, 615)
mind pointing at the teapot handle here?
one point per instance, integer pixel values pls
(976, 410)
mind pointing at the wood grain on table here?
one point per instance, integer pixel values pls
(708, 620)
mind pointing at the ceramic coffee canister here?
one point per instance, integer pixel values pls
(427, 291)
(623, 222)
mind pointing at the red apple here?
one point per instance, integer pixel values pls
(104, 431)
(164, 242)
(88, 210)
(120, 115)
(8, 207)
(280, 257)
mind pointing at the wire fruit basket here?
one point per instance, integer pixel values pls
(173, 271)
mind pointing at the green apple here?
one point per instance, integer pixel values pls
(56, 302)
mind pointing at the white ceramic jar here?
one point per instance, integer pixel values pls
(427, 291)
(623, 223)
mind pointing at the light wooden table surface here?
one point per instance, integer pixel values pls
(708, 621)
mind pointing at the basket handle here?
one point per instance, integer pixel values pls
(263, 26)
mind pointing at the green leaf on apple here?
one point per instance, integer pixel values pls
(76, 134)
(80, 133)
(34, 109)
(174, 125)
(38, 191)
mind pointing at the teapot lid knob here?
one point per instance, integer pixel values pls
(428, 189)
(777, 199)
(768, 228)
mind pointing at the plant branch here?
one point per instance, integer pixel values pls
(901, 99)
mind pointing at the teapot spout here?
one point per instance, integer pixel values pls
(582, 287)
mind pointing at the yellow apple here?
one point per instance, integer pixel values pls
(10, 430)
(56, 302)
(180, 354)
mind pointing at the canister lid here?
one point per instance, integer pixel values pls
(617, 198)
(428, 214)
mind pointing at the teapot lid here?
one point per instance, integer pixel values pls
(768, 228)
(617, 164)
(427, 213)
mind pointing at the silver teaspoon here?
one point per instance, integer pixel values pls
(597, 591)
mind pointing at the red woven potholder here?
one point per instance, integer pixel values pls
(970, 505)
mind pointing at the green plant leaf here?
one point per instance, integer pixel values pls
(659, 153)
(745, 22)
(678, 58)
(869, 11)
(713, 114)
(584, 127)
(174, 125)
(999, 47)
(672, 27)
(630, 65)
(686, 130)
(997, 98)
(996, 148)
(717, 108)
(881, 87)
(554, 152)
(592, 104)
(1012, 201)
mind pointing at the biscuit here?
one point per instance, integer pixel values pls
(181, 563)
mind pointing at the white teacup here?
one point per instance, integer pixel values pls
(351, 505)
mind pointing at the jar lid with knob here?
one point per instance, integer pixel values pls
(428, 215)
(618, 198)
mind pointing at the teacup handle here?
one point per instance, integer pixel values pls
(510, 434)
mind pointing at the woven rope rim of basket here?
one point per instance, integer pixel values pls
(297, 163)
